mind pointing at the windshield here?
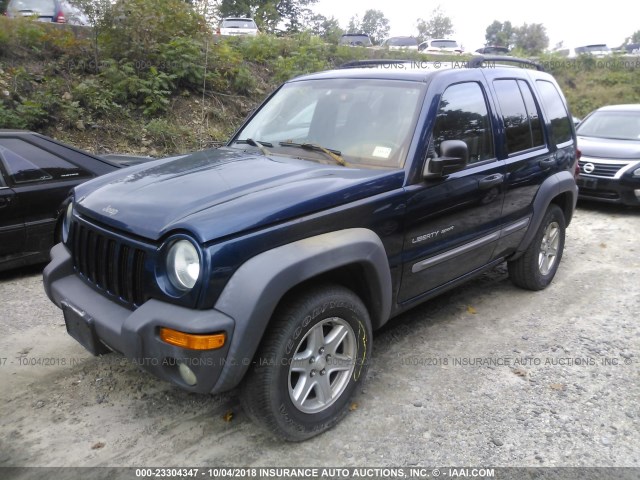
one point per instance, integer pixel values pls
(402, 42)
(444, 44)
(617, 125)
(368, 122)
(355, 40)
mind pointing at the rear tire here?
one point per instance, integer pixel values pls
(310, 363)
(535, 269)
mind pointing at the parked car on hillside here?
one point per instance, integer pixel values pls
(57, 11)
(440, 47)
(235, 27)
(401, 43)
(609, 139)
(630, 49)
(346, 198)
(355, 40)
(493, 50)
(37, 174)
(596, 50)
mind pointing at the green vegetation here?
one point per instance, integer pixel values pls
(590, 83)
(173, 86)
(438, 26)
(531, 38)
(373, 23)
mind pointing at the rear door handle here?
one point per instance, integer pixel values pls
(491, 181)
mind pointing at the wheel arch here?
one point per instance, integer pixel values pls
(559, 189)
(354, 258)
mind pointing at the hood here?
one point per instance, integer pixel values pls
(220, 192)
(609, 148)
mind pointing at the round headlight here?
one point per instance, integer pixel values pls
(636, 173)
(66, 222)
(183, 265)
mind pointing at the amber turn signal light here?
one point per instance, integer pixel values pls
(192, 341)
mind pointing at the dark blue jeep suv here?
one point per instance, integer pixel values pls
(348, 197)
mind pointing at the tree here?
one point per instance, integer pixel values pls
(376, 25)
(327, 28)
(355, 24)
(268, 14)
(438, 26)
(500, 34)
(635, 38)
(99, 14)
(3, 6)
(531, 38)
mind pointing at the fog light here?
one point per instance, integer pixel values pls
(187, 374)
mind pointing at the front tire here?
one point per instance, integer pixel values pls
(535, 269)
(312, 358)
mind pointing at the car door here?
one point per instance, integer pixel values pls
(12, 232)
(41, 182)
(453, 221)
(522, 145)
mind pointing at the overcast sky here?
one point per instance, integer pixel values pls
(576, 23)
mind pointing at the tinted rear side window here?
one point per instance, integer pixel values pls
(520, 115)
(532, 111)
(556, 110)
(27, 163)
(463, 115)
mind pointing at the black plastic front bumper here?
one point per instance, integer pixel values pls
(610, 190)
(96, 322)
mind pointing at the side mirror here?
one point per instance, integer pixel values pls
(454, 156)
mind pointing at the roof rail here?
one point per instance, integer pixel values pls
(478, 60)
(375, 62)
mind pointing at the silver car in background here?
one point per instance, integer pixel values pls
(56, 11)
(609, 139)
(238, 27)
(441, 46)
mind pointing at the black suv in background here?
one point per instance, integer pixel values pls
(347, 198)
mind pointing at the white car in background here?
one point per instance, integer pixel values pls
(440, 46)
(237, 26)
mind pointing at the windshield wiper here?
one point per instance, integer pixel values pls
(255, 143)
(336, 155)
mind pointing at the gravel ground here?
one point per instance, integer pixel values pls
(486, 375)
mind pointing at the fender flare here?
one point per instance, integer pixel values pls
(255, 289)
(557, 184)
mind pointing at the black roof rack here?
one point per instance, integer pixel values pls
(478, 60)
(371, 63)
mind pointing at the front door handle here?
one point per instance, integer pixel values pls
(491, 181)
(4, 202)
